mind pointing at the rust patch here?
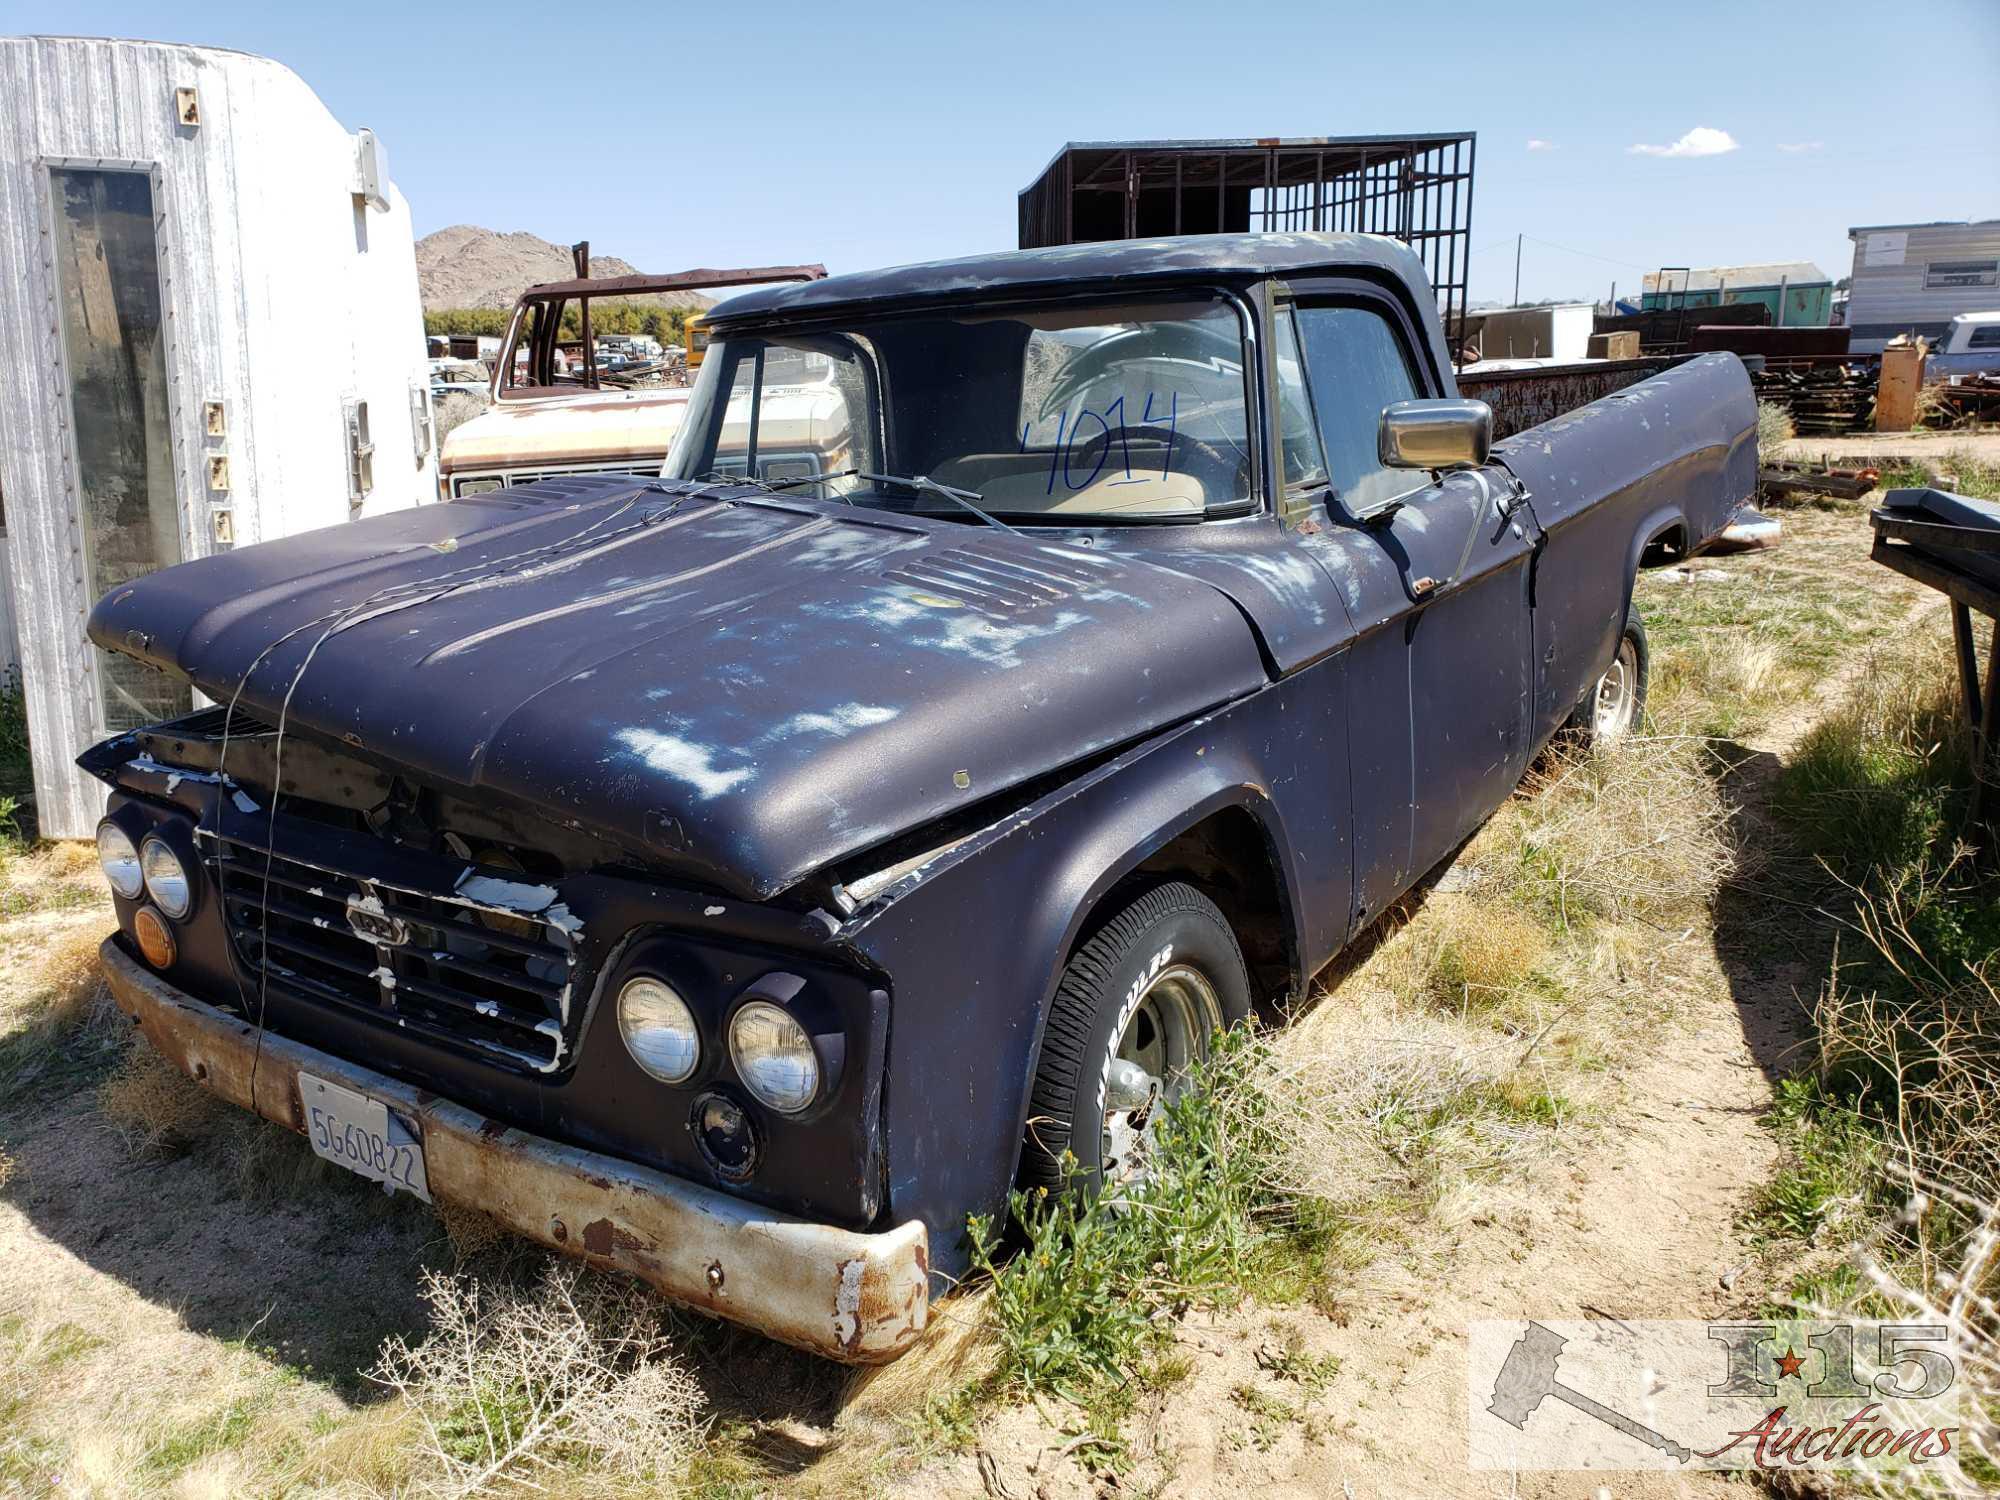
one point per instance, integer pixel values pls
(492, 1130)
(609, 1241)
(879, 1304)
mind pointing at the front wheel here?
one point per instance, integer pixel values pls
(1615, 703)
(1138, 1006)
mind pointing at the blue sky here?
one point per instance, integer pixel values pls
(861, 135)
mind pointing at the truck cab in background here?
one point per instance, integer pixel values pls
(562, 404)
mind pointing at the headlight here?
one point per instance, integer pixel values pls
(774, 1057)
(659, 1029)
(120, 860)
(166, 880)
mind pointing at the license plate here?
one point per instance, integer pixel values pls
(359, 1133)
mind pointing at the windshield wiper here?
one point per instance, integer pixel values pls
(922, 483)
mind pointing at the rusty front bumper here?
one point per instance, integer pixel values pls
(859, 1298)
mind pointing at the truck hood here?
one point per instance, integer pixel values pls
(749, 688)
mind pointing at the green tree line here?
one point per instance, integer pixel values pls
(607, 315)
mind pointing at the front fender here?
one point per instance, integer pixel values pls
(974, 942)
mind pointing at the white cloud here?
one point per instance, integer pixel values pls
(1536, 143)
(1797, 146)
(1703, 140)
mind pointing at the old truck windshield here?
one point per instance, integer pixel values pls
(1101, 413)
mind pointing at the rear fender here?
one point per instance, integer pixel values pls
(1677, 449)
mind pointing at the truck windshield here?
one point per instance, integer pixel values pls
(1134, 412)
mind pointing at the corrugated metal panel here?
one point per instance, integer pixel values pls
(1889, 297)
(282, 300)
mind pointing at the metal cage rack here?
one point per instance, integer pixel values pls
(1415, 188)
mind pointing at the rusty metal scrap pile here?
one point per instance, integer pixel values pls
(1826, 396)
(1971, 398)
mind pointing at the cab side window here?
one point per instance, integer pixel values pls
(1357, 365)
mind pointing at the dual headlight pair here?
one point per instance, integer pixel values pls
(151, 869)
(770, 1050)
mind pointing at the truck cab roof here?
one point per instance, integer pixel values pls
(1177, 258)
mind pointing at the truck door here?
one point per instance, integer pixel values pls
(1434, 571)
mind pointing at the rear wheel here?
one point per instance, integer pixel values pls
(1613, 707)
(1138, 1007)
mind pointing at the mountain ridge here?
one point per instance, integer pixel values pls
(467, 266)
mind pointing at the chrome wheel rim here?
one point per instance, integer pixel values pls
(1166, 1032)
(1617, 698)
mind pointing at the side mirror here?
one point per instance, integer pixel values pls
(1435, 434)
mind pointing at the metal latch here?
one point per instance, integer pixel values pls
(360, 454)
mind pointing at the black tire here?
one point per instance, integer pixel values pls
(1587, 726)
(1113, 983)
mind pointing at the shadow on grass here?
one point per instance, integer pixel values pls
(228, 1229)
(1773, 942)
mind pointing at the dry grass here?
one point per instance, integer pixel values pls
(1635, 838)
(1737, 639)
(1478, 952)
(56, 983)
(470, 1233)
(1750, 676)
(575, 1378)
(105, 1400)
(156, 1110)
(58, 1027)
(1909, 1122)
(1482, 1023)
(1378, 1105)
(50, 878)
(1774, 430)
(1894, 1135)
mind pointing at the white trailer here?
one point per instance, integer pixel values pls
(209, 313)
(1915, 278)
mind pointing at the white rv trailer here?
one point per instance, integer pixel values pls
(209, 315)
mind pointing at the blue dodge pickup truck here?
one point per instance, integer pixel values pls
(1024, 667)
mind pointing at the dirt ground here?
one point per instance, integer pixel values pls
(1895, 447)
(241, 1264)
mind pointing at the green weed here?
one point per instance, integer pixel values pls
(1099, 1282)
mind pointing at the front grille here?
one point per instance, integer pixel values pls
(481, 980)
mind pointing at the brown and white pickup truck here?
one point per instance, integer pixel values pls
(554, 413)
